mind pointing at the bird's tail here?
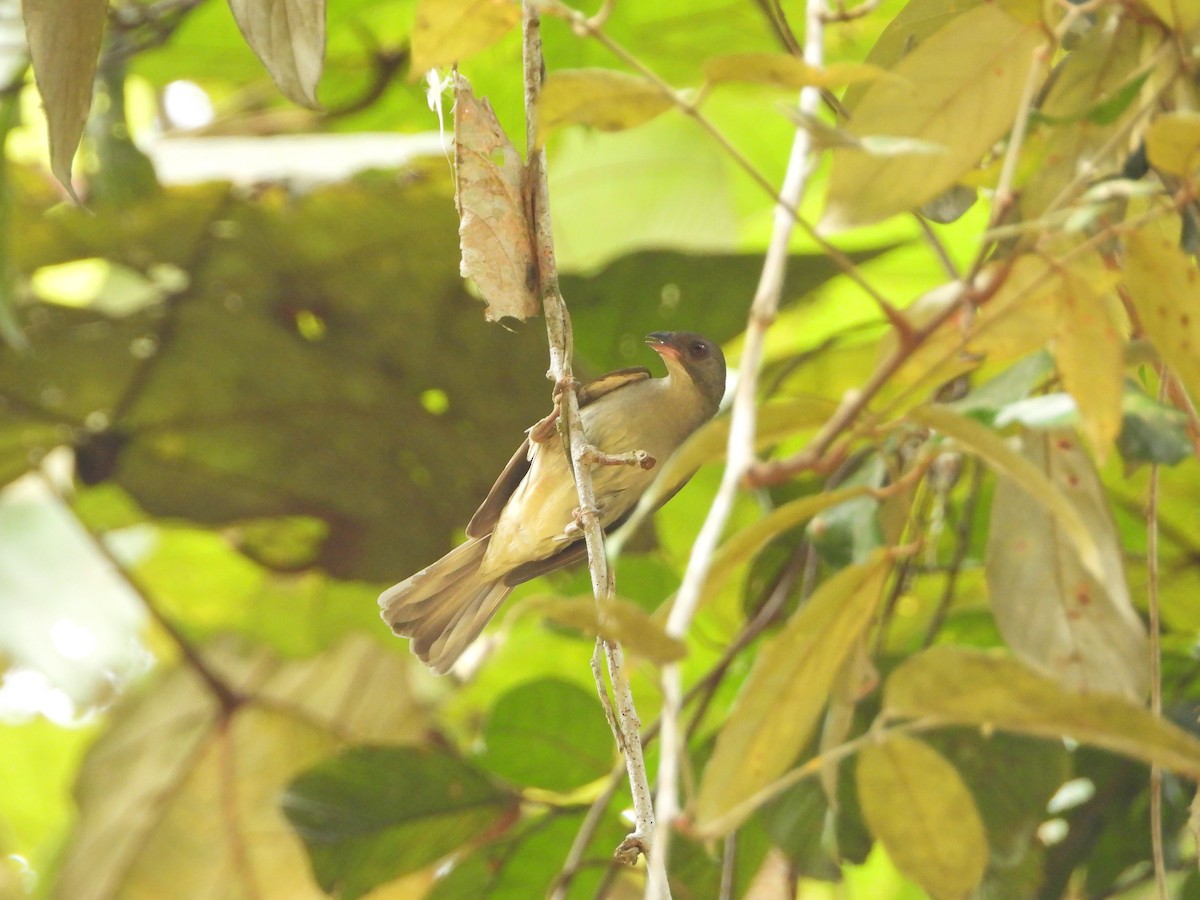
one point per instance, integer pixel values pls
(445, 605)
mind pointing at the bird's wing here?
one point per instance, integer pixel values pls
(488, 513)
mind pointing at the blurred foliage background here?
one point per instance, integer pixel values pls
(244, 387)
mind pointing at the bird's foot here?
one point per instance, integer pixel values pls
(546, 429)
(638, 458)
(578, 524)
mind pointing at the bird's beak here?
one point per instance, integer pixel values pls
(659, 342)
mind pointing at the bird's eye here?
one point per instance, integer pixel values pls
(699, 350)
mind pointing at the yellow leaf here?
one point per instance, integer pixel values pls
(782, 698)
(289, 37)
(1088, 350)
(493, 232)
(781, 70)
(64, 43)
(994, 451)
(1180, 15)
(1165, 287)
(1052, 613)
(916, 804)
(617, 620)
(600, 98)
(448, 31)
(960, 89)
(1173, 143)
(974, 687)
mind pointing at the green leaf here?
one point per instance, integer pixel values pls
(375, 813)
(915, 802)
(1051, 612)
(960, 89)
(604, 99)
(782, 698)
(619, 621)
(289, 37)
(1162, 281)
(994, 451)
(548, 734)
(449, 31)
(973, 687)
(784, 71)
(64, 43)
(1151, 431)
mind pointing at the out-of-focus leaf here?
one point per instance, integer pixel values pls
(1052, 613)
(1173, 143)
(375, 813)
(448, 31)
(850, 531)
(973, 687)
(1045, 411)
(747, 542)
(1087, 347)
(289, 37)
(547, 734)
(64, 43)
(1152, 432)
(911, 26)
(619, 621)
(1011, 385)
(604, 99)
(783, 695)
(1176, 14)
(960, 89)
(777, 419)
(915, 802)
(993, 450)
(1092, 81)
(784, 71)
(493, 231)
(1163, 283)
(175, 794)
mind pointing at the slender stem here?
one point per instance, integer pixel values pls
(558, 329)
(1156, 778)
(740, 454)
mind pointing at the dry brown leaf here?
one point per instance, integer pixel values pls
(493, 230)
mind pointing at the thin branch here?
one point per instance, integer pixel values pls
(558, 329)
(1156, 776)
(740, 455)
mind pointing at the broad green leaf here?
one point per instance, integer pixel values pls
(1087, 348)
(619, 621)
(960, 89)
(989, 690)
(1173, 143)
(749, 540)
(994, 451)
(289, 37)
(1165, 284)
(548, 734)
(781, 700)
(604, 99)
(784, 71)
(493, 228)
(1051, 611)
(915, 802)
(449, 31)
(64, 43)
(175, 793)
(375, 813)
(1152, 432)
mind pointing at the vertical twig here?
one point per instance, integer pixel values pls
(740, 455)
(1156, 826)
(558, 329)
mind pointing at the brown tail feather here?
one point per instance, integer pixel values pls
(445, 606)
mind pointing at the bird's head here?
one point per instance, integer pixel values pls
(695, 357)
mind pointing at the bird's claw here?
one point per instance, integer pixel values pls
(639, 458)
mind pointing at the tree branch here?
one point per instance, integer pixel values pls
(558, 329)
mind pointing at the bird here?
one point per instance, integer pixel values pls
(529, 522)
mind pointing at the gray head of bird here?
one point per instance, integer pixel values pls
(695, 357)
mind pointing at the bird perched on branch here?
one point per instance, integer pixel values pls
(528, 524)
